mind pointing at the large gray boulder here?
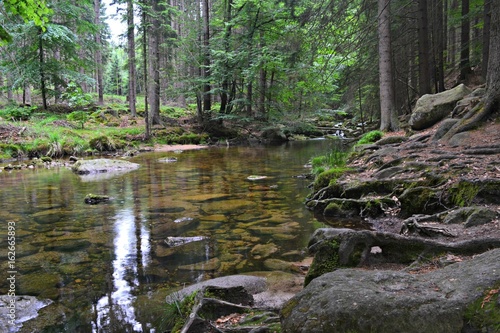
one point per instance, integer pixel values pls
(461, 297)
(430, 109)
(101, 169)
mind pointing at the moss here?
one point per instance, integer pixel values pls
(420, 199)
(463, 193)
(370, 137)
(328, 178)
(325, 260)
(288, 307)
(483, 315)
(333, 209)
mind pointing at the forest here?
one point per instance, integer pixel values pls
(265, 60)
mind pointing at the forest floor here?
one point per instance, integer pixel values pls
(477, 166)
(476, 158)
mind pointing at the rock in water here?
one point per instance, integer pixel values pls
(100, 165)
(94, 199)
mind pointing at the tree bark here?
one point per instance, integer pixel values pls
(207, 98)
(132, 77)
(465, 69)
(98, 54)
(224, 95)
(42, 71)
(388, 115)
(424, 76)
(153, 65)
(145, 22)
(486, 37)
(491, 100)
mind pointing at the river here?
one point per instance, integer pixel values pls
(107, 267)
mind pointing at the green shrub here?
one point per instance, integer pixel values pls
(370, 137)
(15, 112)
(78, 116)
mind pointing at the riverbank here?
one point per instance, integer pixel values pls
(433, 207)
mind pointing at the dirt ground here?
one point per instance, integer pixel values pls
(482, 166)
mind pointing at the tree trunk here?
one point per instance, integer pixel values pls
(424, 76)
(207, 99)
(491, 100)
(132, 79)
(439, 42)
(493, 77)
(42, 71)
(98, 54)
(486, 37)
(465, 69)
(224, 99)
(388, 115)
(145, 22)
(153, 65)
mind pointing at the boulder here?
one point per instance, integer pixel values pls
(430, 109)
(252, 285)
(274, 135)
(461, 297)
(101, 165)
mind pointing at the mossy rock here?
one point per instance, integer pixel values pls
(93, 199)
(420, 200)
(328, 178)
(463, 193)
(326, 259)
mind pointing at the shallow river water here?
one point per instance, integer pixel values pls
(108, 268)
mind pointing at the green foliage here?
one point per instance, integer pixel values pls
(177, 312)
(328, 177)
(78, 116)
(74, 95)
(56, 145)
(15, 112)
(35, 11)
(370, 137)
(335, 158)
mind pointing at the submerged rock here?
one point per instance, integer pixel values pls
(25, 308)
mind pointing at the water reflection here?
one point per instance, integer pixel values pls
(108, 265)
(117, 305)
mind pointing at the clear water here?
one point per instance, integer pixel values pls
(107, 267)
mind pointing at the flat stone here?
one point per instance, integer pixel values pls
(102, 165)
